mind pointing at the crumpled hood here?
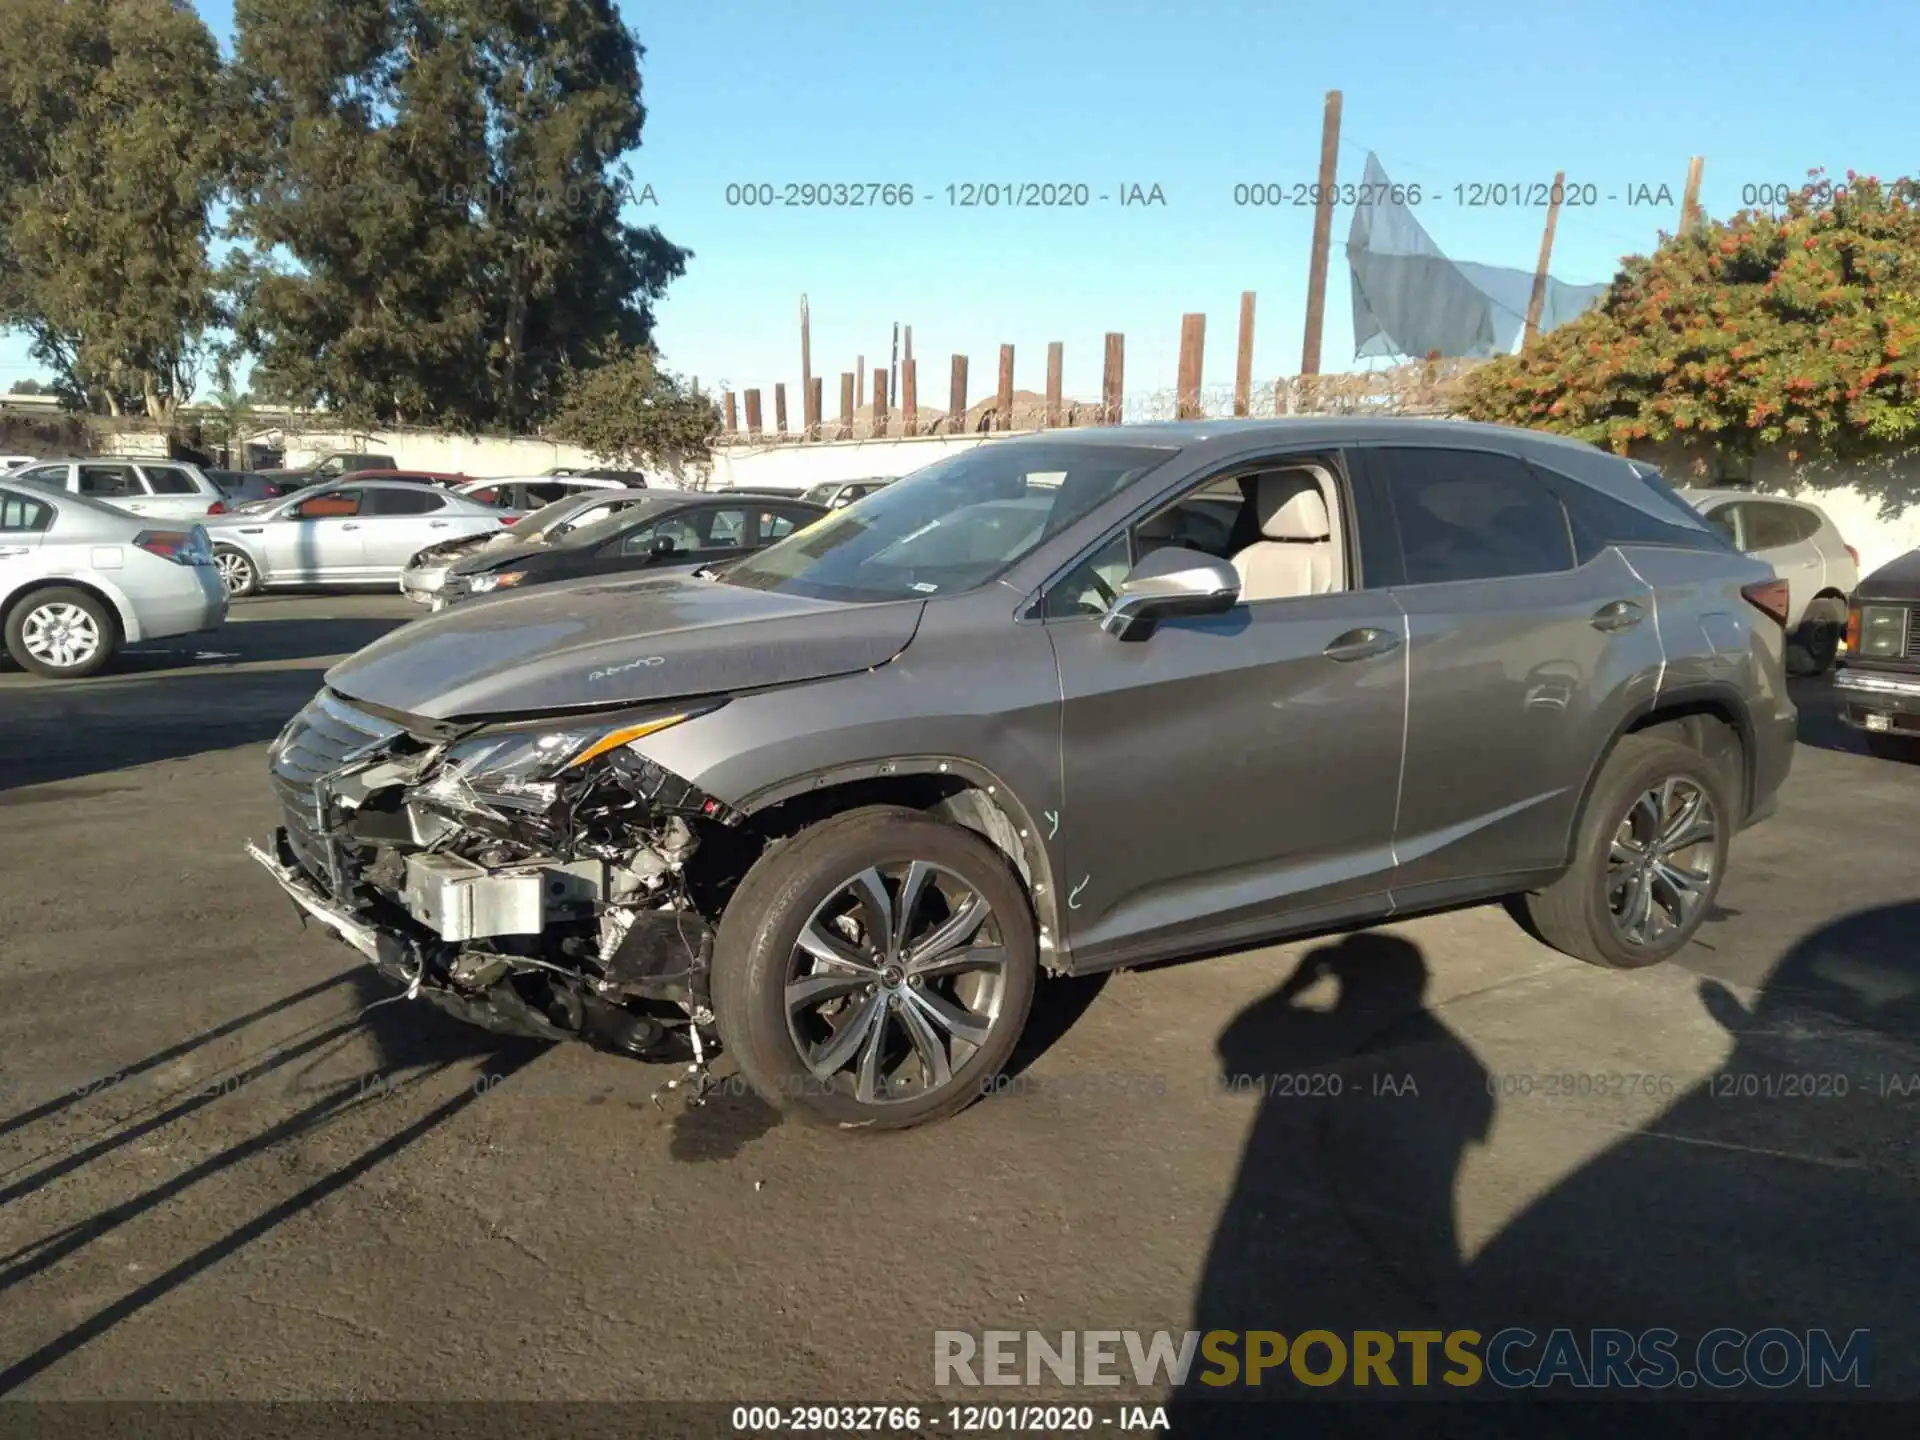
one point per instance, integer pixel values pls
(617, 641)
(497, 557)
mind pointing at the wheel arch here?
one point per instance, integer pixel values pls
(124, 617)
(1689, 711)
(950, 787)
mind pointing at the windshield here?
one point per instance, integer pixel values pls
(952, 526)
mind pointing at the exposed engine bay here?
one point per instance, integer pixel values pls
(531, 878)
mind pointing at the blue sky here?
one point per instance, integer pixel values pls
(1194, 97)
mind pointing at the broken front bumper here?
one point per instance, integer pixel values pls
(401, 961)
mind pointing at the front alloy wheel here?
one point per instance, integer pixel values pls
(236, 573)
(896, 982)
(875, 970)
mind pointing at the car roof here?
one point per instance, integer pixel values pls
(1697, 496)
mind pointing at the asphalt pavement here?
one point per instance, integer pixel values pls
(223, 1176)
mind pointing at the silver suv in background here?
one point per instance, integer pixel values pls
(156, 489)
(1064, 704)
(1804, 548)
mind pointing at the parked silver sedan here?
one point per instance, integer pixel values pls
(425, 577)
(349, 533)
(79, 578)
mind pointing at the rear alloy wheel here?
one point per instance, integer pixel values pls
(237, 572)
(63, 634)
(876, 971)
(1648, 858)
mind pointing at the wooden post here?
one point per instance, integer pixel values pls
(809, 411)
(1322, 236)
(846, 405)
(1193, 341)
(733, 413)
(909, 396)
(1005, 402)
(1243, 360)
(1113, 378)
(957, 396)
(780, 410)
(893, 366)
(814, 398)
(1055, 357)
(1539, 296)
(1690, 200)
(860, 375)
(879, 401)
(753, 414)
(906, 343)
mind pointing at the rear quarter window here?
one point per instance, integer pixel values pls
(1600, 521)
(23, 513)
(169, 480)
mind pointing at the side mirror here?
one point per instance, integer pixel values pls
(663, 545)
(1170, 582)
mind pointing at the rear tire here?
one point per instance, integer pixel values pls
(62, 633)
(1632, 897)
(1815, 645)
(884, 1000)
(238, 574)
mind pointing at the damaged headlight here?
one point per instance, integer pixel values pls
(521, 771)
(498, 580)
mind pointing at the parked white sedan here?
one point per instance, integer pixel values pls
(1805, 549)
(355, 532)
(78, 579)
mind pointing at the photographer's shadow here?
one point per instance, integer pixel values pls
(1342, 1213)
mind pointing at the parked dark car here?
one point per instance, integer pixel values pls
(334, 465)
(840, 803)
(1878, 677)
(627, 479)
(240, 486)
(678, 528)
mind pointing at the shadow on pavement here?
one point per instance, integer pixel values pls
(1780, 1192)
(412, 1045)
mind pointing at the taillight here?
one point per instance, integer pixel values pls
(1771, 597)
(167, 544)
(219, 507)
(1851, 640)
(508, 519)
(1854, 553)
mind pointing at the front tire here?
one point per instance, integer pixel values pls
(62, 634)
(237, 572)
(1647, 860)
(1816, 644)
(876, 970)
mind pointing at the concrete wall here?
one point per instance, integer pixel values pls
(476, 455)
(1875, 503)
(795, 467)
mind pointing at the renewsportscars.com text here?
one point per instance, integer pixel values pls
(1513, 1358)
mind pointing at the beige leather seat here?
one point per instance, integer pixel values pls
(1294, 555)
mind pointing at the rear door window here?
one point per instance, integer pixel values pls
(1771, 526)
(169, 480)
(109, 482)
(407, 501)
(22, 513)
(1471, 515)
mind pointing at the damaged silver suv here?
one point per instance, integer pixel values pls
(1054, 704)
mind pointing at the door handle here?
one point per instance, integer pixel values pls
(349, 527)
(13, 549)
(1620, 615)
(1362, 644)
(438, 524)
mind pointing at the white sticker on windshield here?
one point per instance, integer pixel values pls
(925, 587)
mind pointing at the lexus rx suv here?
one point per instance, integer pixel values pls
(1053, 705)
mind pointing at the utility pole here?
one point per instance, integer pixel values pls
(1539, 296)
(809, 412)
(1322, 235)
(1690, 200)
